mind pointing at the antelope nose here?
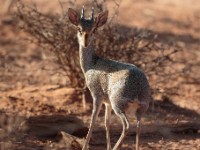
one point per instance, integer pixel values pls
(86, 40)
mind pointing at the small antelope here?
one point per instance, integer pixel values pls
(110, 82)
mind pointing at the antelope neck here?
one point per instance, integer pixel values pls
(88, 57)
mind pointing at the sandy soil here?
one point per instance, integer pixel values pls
(31, 88)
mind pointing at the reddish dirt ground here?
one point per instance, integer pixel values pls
(31, 88)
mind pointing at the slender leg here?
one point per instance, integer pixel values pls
(107, 124)
(125, 124)
(138, 130)
(84, 97)
(95, 112)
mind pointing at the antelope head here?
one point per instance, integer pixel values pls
(86, 27)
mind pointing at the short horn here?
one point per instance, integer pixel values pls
(92, 16)
(83, 13)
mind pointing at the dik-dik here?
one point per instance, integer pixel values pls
(110, 82)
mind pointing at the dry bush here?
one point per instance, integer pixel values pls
(139, 47)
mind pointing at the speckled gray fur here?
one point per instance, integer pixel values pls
(121, 83)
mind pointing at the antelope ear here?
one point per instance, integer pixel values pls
(73, 16)
(101, 19)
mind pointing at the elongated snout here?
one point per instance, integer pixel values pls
(84, 39)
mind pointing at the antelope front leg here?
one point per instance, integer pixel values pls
(95, 112)
(107, 124)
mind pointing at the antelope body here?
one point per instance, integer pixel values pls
(110, 82)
